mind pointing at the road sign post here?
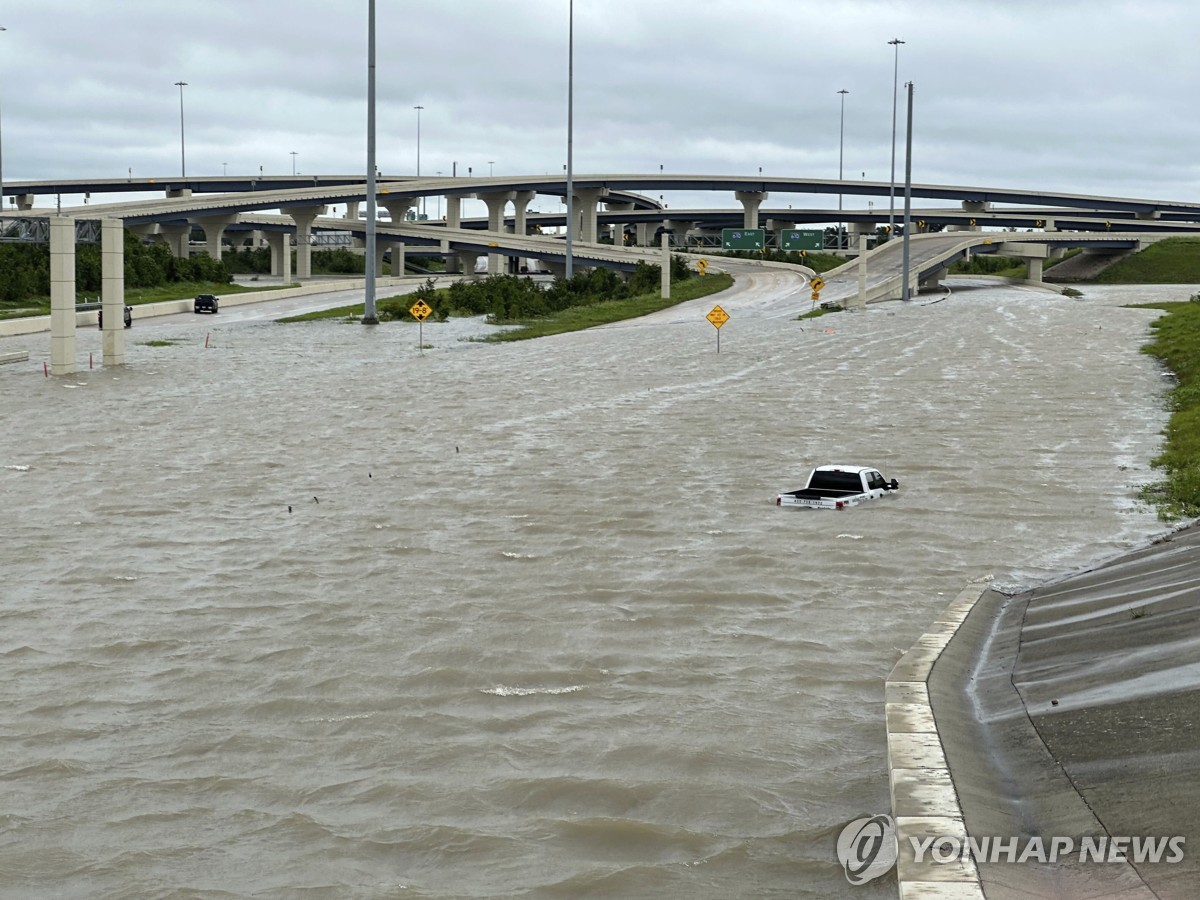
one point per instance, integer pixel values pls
(718, 317)
(420, 311)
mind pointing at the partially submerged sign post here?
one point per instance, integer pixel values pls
(718, 317)
(420, 311)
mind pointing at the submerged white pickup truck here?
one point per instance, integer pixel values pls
(836, 487)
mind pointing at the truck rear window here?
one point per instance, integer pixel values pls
(836, 481)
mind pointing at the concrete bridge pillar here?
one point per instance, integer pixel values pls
(618, 228)
(352, 210)
(179, 193)
(496, 202)
(588, 202)
(557, 269)
(398, 258)
(643, 234)
(1033, 269)
(466, 261)
(62, 295)
(521, 201)
(751, 201)
(178, 238)
(679, 229)
(398, 207)
(24, 201)
(453, 220)
(214, 229)
(281, 254)
(304, 216)
(112, 290)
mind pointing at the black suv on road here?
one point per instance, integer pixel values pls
(205, 303)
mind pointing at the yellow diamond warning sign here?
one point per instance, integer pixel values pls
(717, 316)
(420, 310)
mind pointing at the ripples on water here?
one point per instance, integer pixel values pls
(533, 626)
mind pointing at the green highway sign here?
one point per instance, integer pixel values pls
(743, 239)
(792, 239)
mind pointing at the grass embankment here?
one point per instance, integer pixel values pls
(1170, 261)
(1177, 343)
(574, 318)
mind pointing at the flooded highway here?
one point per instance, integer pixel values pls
(313, 611)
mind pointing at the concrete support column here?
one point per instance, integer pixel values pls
(179, 193)
(618, 228)
(214, 229)
(453, 220)
(557, 269)
(303, 216)
(521, 201)
(496, 202)
(466, 261)
(1033, 270)
(588, 202)
(24, 201)
(112, 290)
(281, 254)
(380, 250)
(352, 210)
(62, 295)
(398, 259)
(751, 201)
(679, 229)
(643, 234)
(398, 207)
(178, 238)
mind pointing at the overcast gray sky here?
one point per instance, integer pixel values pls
(1089, 96)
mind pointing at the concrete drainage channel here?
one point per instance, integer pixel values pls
(925, 805)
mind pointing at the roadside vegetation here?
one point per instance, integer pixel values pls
(1177, 343)
(1170, 261)
(818, 262)
(537, 309)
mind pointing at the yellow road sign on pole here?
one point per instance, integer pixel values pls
(718, 317)
(420, 310)
(702, 266)
(817, 283)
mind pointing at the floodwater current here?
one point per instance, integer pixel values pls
(314, 612)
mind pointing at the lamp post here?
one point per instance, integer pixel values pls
(369, 316)
(224, 169)
(418, 109)
(182, 156)
(490, 164)
(895, 42)
(841, 147)
(2, 28)
(293, 162)
(570, 267)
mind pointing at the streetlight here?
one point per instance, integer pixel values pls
(841, 147)
(182, 157)
(895, 42)
(490, 164)
(570, 267)
(369, 316)
(418, 109)
(224, 169)
(2, 28)
(293, 162)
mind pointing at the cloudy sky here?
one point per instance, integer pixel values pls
(1090, 96)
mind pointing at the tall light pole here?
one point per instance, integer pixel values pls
(490, 164)
(841, 147)
(369, 317)
(895, 42)
(293, 162)
(418, 109)
(2, 28)
(904, 273)
(570, 269)
(182, 156)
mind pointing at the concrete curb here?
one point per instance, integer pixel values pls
(35, 324)
(924, 801)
